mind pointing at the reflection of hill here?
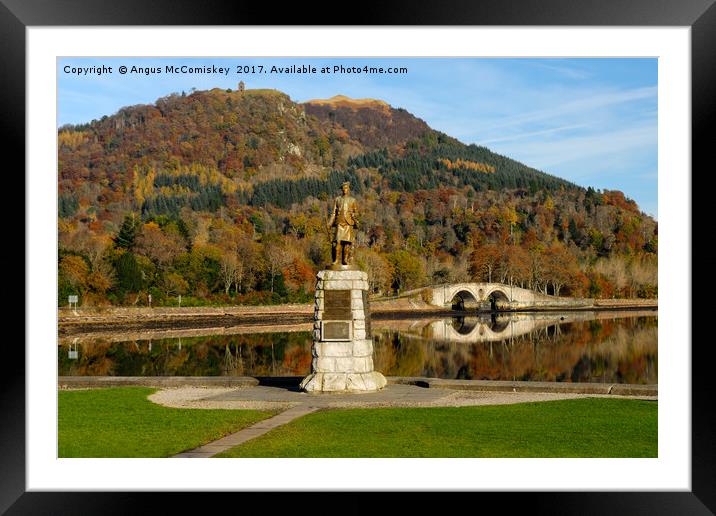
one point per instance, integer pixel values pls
(280, 354)
(618, 351)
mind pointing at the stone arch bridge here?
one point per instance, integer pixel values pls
(495, 296)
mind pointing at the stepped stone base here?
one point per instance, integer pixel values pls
(342, 382)
(342, 343)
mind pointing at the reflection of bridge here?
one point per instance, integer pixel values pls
(494, 328)
(496, 296)
(474, 329)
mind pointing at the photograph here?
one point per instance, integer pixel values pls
(417, 255)
(357, 257)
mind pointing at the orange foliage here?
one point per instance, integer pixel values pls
(468, 165)
(618, 199)
(298, 273)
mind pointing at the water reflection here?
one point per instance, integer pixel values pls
(72, 353)
(277, 354)
(614, 347)
(495, 327)
(584, 347)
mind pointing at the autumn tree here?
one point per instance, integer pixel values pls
(174, 284)
(379, 269)
(276, 259)
(561, 266)
(228, 268)
(155, 244)
(408, 270)
(484, 261)
(247, 263)
(299, 275)
(200, 268)
(74, 270)
(514, 264)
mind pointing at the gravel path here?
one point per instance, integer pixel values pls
(196, 398)
(273, 398)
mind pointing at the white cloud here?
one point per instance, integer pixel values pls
(580, 106)
(544, 154)
(541, 132)
(567, 71)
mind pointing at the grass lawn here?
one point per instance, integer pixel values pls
(586, 427)
(122, 422)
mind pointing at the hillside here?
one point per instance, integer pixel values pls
(371, 122)
(224, 192)
(208, 148)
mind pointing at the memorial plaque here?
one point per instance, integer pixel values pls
(337, 305)
(336, 330)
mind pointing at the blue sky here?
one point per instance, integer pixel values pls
(592, 121)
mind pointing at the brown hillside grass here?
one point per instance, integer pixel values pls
(343, 101)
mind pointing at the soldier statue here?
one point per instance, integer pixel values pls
(344, 219)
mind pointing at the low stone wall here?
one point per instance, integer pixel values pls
(625, 303)
(521, 386)
(163, 382)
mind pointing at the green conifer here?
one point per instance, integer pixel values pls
(128, 232)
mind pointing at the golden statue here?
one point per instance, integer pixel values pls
(345, 221)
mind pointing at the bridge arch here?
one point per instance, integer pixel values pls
(465, 325)
(498, 299)
(499, 325)
(464, 299)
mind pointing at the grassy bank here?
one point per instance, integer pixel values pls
(589, 427)
(122, 422)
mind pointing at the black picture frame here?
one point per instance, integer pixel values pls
(699, 15)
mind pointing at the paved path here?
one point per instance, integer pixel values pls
(240, 437)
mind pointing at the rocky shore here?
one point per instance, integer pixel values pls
(71, 322)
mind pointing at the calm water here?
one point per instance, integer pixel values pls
(612, 347)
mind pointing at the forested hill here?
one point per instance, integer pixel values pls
(203, 149)
(422, 155)
(167, 188)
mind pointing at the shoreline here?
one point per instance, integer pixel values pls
(141, 318)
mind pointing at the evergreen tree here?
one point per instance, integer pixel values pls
(68, 205)
(129, 274)
(128, 232)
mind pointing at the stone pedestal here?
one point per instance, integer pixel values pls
(342, 342)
